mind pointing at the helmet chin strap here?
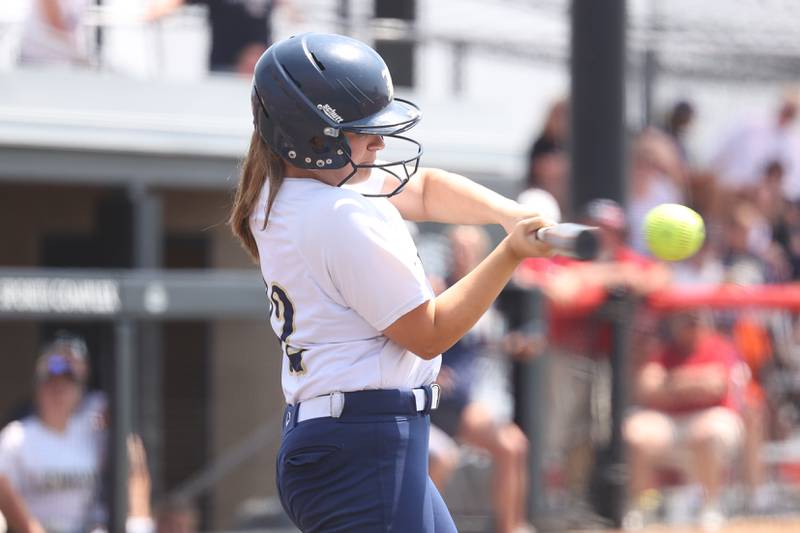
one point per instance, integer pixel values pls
(351, 174)
(402, 182)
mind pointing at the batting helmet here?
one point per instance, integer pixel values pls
(310, 88)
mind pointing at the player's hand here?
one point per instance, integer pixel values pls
(138, 478)
(522, 241)
(35, 527)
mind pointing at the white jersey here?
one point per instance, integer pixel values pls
(339, 269)
(744, 156)
(56, 474)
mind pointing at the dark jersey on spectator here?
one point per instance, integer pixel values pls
(234, 25)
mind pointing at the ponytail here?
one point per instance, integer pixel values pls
(260, 164)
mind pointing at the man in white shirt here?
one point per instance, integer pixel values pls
(744, 155)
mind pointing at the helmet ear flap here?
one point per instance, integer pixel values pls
(260, 116)
(262, 124)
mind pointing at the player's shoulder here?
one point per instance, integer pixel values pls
(13, 435)
(341, 208)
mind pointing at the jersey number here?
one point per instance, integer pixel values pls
(284, 311)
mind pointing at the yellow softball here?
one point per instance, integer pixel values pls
(673, 232)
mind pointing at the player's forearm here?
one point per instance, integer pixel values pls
(454, 199)
(460, 307)
(13, 508)
(696, 385)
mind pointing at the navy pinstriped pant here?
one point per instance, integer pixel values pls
(361, 473)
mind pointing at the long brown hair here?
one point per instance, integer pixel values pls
(260, 164)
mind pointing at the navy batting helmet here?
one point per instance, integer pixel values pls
(310, 88)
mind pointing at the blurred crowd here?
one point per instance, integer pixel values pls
(748, 193)
(57, 32)
(704, 387)
(708, 388)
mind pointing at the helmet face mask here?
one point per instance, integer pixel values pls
(401, 170)
(310, 89)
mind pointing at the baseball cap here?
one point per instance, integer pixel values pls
(53, 365)
(72, 343)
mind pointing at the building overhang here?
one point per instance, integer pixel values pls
(89, 127)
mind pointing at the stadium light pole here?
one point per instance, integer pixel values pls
(598, 170)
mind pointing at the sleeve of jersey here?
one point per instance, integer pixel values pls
(374, 274)
(10, 441)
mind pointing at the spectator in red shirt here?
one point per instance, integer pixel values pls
(580, 341)
(689, 393)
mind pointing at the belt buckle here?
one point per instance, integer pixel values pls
(337, 404)
(432, 395)
(436, 394)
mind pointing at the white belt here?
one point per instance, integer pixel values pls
(332, 405)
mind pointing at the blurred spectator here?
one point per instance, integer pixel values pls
(548, 162)
(748, 254)
(689, 393)
(580, 340)
(773, 210)
(240, 30)
(444, 457)
(782, 215)
(787, 234)
(658, 176)
(703, 268)
(471, 422)
(53, 33)
(52, 458)
(769, 197)
(679, 121)
(754, 345)
(752, 146)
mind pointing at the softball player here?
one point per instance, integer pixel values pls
(53, 458)
(360, 328)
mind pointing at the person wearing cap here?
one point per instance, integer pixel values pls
(579, 342)
(52, 458)
(688, 396)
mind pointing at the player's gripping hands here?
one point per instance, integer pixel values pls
(521, 241)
